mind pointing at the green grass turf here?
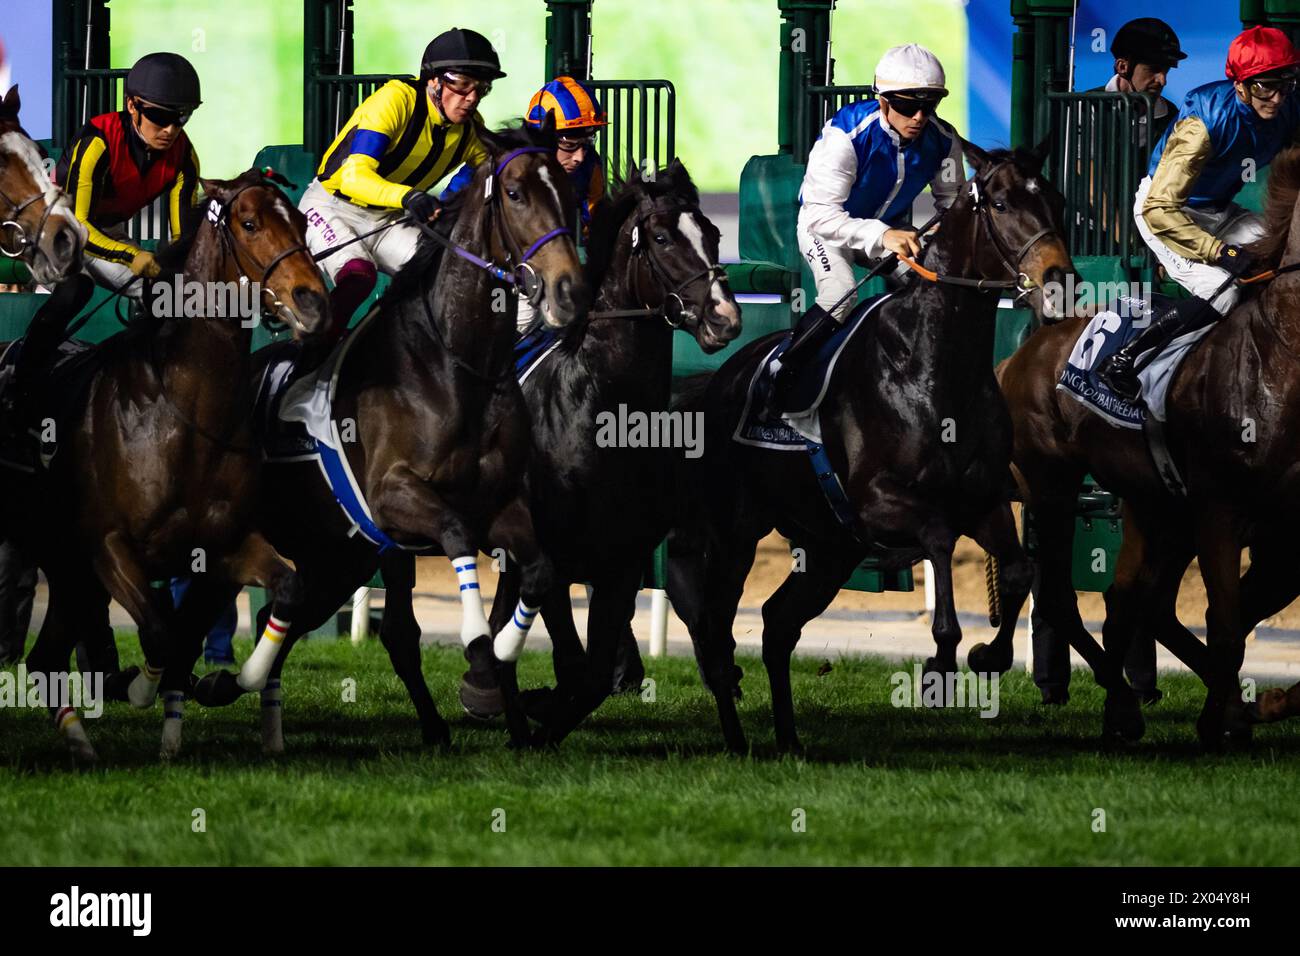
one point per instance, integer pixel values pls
(646, 782)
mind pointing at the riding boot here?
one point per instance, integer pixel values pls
(352, 286)
(1119, 371)
(813, 331)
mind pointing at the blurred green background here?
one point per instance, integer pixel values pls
(721, 56)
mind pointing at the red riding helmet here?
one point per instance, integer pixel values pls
(1260, 50)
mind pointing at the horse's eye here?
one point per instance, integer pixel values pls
(248, 225)
(513, 194)
(661, 238)
(1000, 206)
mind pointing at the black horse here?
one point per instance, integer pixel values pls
(914, 426)
(441, 439)
(600, 510)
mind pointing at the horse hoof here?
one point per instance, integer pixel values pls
(1055, 697)
(83, 754)
(481, 703)
(117, 685)
(791, 748)
(1151, 696)
(628, 682)
(217, 689)
(982, 659)
(439, 738)
(1122, 719)
(538, 704)
(1270, 706)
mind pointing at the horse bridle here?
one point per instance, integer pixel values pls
(642, 251)
(1021, 283)
(12, 226)
(523, 277)
(219, 216)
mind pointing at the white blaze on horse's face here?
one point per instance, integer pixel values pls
(546, 178)
(47, 268)
(723, 304)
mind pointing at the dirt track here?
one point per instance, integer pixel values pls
(773, 563)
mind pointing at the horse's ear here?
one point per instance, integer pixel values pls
(976, 156)
(1042, 150)
(11, 102)
(548, 126)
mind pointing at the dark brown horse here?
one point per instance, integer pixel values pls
(37, 223)
(601, 510)
(157, 473)
(914, 426)
(1234, 430)
(441, 432)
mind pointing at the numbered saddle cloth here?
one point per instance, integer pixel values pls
(1102, 337)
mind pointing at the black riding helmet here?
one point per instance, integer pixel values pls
(166, 79)
(1147, 40)
(461, 51)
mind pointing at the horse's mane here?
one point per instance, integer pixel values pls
(625, 197)
(1279, 207)
(428, 254)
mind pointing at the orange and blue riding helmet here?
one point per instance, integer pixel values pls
(574, 105)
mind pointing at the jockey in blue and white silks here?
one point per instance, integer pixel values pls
(872, 160)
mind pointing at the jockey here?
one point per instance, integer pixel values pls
(577, 117)
(872, 160)
(120, 162)
(1145, 50)
(1184, 207)
(400, 141)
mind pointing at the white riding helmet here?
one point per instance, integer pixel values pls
(910, 67)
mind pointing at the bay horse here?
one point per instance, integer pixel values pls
(1233, 428)
(913, 425)
(158, 477)
(37, 223)
(441, 432)
(601, 510)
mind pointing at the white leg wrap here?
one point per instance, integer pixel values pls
(509, 644)
(252, 676)
(74, 734)
(173, 715)
(473, 622)
(272, 727)
(144, 687)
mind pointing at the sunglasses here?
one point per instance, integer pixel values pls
(909, 106)
(161, 116)
(566, 145)
(1267, 89)
(463, 85)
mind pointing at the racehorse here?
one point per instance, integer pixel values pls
(601, 510)
(441, 431)
(37, 223)
(913, 425)
(1232, 429)
(157, 474)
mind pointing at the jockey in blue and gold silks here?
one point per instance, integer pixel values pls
(577, 117)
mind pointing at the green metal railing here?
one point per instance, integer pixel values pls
(642, 130)
(1101, 147)
(820, 104)
(83, 94)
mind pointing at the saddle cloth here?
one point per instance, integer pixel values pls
(1102, 337)
(793, 430)
(532, 348)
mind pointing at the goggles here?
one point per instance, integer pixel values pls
(571, 144)
(161, 115)
(909, 106)
(463, 85)
(1270, 88)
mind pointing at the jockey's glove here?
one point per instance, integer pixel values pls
(1236, 260)
(144, 264)
(421, 206)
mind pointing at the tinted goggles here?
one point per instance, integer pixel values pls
(463, 85)
(161, 115)
(909, 106)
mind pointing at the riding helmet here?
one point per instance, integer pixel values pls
(461, 51)
(573, 103)
(1147, 40)
(1260, 50)
(166, 79)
